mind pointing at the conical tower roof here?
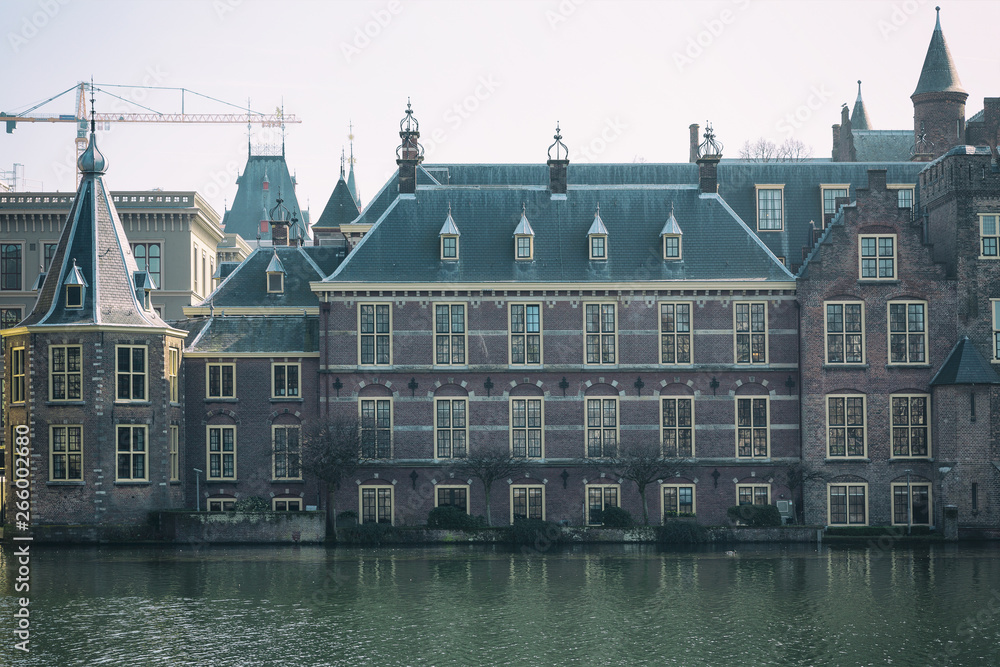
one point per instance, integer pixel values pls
(859, 115)
(340, 209)
(938, 74)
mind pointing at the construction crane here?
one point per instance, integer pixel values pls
(82, 119)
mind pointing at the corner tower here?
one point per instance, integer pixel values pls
(938, 101)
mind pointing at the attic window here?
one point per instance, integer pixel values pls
(74, 296)
(525, 249)
(597, 237)
(524, 238)
(449, 247)
(671, 246)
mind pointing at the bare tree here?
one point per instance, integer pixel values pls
(642, 463)
(796, 477)
(793, 150)
(330, 454)
(491, 464)
(765, 150)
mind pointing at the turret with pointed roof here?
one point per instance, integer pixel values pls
(938, 101)
(859, 115)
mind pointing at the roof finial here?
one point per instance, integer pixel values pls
(350, 138)
(524, 210)
(711, 146)
(93, 124)
(597, 213)
(859, 87)
(341, 162)
(282, 114)
(938, 25)
(558, 145)
(449, 208)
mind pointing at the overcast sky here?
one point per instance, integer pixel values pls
(488, 80)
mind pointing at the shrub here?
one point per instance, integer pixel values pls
(449, 517)
(681, 532)
(367, 533)
(534, 532)
(615, 517)
(679, 515)
(347, 518)
(756, 516)
(252, 504)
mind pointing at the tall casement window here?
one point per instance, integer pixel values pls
(878, 257)
(524, 246)
(48, 253)
(526, 333)
(376, 503)
(221, 381)
(222, 453)
(601, 333)
(830, 195)
(845, 427)
(131, 453)
(675, 333)
(753, 494)
(17, 387)
(913, 506)
(65, 373)
(847, 504)
(173, 367)
(147, 257)
(175, 460)
(285, 380)
(995, 305)
(989, 231)
(671, 246)
(599, 498)
(845, 332)
(770, 208)
(678, 500)
(450, 428)
(526, 420)
(446, 495)
(598, 246)
(449, 246)
(375, 334)
(527, 502)
(907, 332)
(9, 317)
(285, 443)
(66, 453)
(904, 197)
(10, 266)
(602, 427)
(752, 432)
(677, 418)
(376, 428)
(449, 334)
(911, 434)
(750, 325)
(131, 372)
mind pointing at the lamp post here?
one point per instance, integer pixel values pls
(197, 488)
(909, 506)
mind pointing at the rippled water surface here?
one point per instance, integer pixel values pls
(462, 605)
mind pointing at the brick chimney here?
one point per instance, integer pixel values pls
(558, 165)
(693, 141)
(709, 155)
(410, 153)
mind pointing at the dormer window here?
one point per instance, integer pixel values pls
(671, 235)
(524, 238)
(597, 237)
(524, 247)
(449, 238)
(275, 275)
(144, 285)
(75, 285)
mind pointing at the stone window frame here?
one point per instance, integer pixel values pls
(601, 335)
(376, 493)
(450, 431)
(846, 426)
(754, 491)
(132, 374)
(992, 239)
(514, 336)
(528, 489)
(221, 367)
(175, 469)
(750, 333)
(287, 501)
(377, 336)
(909, 426)
(65, 374)
(457, 487)
(286, 391)
(603, 497)
(878, 257)
(376, 426)
(677, 491)
(843, 334)
(907, 335)
(753, 427)
(287, 453)
(847, 487)
(66, 453)
(528, 428)
(132, 452)
(914, 485)
(677, 428)
(221, 453)
(450, 337)
(759, 201)
(597, 427)
(675, 335)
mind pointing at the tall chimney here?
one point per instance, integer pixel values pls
(693, 154)
(409, 153)
(558, 165)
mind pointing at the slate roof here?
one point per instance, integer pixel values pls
(859, 115)
(252, 203)
(237, 334)
(882, 145)
(340, 209)
(92, 247)
(965, 365)
(246, 287)
(403, 244)
(938, 73)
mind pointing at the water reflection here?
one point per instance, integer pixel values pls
(610, 605)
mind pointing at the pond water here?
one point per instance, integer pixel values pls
(477, 605)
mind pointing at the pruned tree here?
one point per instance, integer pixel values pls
(642, 463)
(796, 477)
(765, 150)
(490, 464)
(330, 454)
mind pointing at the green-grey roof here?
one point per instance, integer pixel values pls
(241, 334)
(253, 203)
(859, 115)
(882, 145)
(340, 209)
(965, 365)
(403, 244)
(246, 287)
(938, 74)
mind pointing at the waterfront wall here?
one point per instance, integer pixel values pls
(243, 527)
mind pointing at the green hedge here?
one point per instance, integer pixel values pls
(756, 516)
(612, 517)
(449, 517)
(681, 532)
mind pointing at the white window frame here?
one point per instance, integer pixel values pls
(601, 336)
(65, 374)
(448, 430)
(529, 428)
(843, 405)
(848, 487)
(753, 428)
(676, 429)
(221, 452)
(524, 333)
(131, 374)
(528, 488)
(65, 453)
(448, 335)
(287, 389)
(598, 428)
(376, 336)
(878, 257)
(896, 428)
(132, 452)
(221, 367)
(749, 332)
(677, 333)
(759, 188)
(993, 238)
(906, 333)
(843, 335)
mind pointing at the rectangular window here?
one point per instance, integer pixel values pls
(275, 282)
(845, 427)
(375, 338)
(989, 230)
(995, 305)
(848, 504)
(66, 460)
(752, 440)
(48, 253)
(222, 452)
(526, 427)
(147, 258)
(599, 498)
(830, 195)
(904, 198)
(878, 257)
(449, 334)
(285, 441)
(131, 372)
(173, 367)
(753, 494)
(453, 496)
(285, 380)
(131, 453)
(10, 266)
(524, 247)
(677, 415)
(449, 247)
(221, 505)
(376, 428)
(678, 500)
(175, 462)
(751, 332)
(597, 246)
(671, 246)
(221, 379)
(907, 332)
(911, 435)
(65, 373)
(845, 333)
(527, 502)
(602, 427)
(769, 208)
(915, 504)
(17, 386)
(525, 333)
(450, 428)
(286, 504)
(601, 333)
(675, 333)
(9, 317)
(376, 504)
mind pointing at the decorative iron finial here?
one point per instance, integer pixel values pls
(711, 146)
(409, 132)
(341, 161)
(350, 139)
(409, 123)
(922, 145)
(558, 145)
(279, 210)
(93, 123)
